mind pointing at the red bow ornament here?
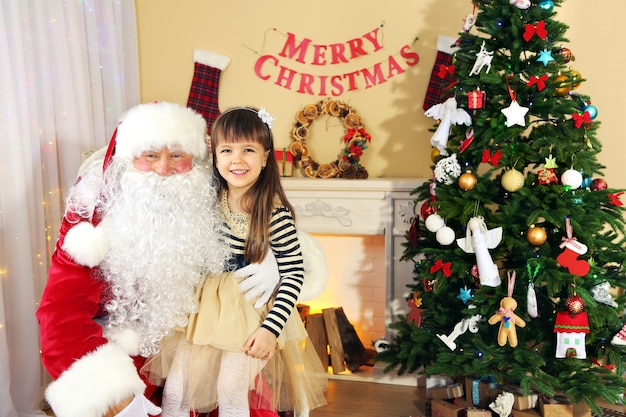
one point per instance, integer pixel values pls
(539, 81)
(445, 70)
(492, 159)
(614, 199)
(352, 132)
(446, 268)
(539, 29)
(579, 119)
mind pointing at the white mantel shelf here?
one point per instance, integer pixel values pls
(349, 206)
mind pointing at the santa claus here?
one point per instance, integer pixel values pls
(138, 237)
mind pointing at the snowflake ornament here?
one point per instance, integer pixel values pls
(447, 169)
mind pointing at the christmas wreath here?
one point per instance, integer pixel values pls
(355, 141)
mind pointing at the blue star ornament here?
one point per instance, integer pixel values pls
(464, 295)
(545, 56)
(515, 114)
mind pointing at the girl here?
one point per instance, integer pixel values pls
(251, 358)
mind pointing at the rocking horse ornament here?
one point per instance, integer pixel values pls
(470, 323)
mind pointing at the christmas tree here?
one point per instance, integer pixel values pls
(518, 241)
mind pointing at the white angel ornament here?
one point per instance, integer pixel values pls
(479, 239)
(448, 114)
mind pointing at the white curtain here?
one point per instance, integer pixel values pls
(68, 69)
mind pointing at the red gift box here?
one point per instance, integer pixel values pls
(476, 99)
(285, 162)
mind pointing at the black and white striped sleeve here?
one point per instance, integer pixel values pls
(286, 248)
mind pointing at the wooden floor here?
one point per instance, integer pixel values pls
(369, 399)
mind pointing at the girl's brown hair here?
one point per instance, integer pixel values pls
(241, 124)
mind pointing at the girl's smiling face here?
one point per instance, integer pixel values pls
(240, 163)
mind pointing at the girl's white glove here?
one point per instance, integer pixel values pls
(262, 280)
(140, 406)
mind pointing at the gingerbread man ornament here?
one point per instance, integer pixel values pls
(509, 321)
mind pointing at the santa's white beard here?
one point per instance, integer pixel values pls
(164, 240)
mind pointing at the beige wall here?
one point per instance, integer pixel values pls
(392, 112)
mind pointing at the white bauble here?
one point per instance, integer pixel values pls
(434, 222)
(572, 178)
(445, 236)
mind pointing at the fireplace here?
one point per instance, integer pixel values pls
(361, 225)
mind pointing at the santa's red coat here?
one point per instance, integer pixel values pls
(91, 372)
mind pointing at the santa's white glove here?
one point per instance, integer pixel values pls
(139, 407)
(262, 280)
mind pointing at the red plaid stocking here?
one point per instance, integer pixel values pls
(203, 94)
(441, 75)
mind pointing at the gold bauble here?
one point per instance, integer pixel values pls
(575, 78)
(536, 235)
(435, 154)
(562, 85)
(467, 181)
(512, 180)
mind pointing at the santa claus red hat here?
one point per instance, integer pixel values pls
(156, 125)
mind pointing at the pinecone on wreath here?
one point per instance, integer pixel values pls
(353, 172)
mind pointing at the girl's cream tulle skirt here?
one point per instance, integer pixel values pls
(293, 379)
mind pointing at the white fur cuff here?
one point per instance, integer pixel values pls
(127, 339)
(86, 244)
(94, 383)
(211, 59)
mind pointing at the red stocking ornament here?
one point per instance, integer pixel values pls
(203, 94)
(441, 75)
(573, 249)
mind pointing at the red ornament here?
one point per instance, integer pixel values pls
(476, 99)
(547, 176)
(598, 184)
(428, 285)
(426, 210)
(575, 305)
(566, 54)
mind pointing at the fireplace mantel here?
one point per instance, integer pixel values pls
(347, 206)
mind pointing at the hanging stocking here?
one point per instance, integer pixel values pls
(573, 249)
(203, 94)
(441, 75)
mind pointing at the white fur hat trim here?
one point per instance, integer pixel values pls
(86, 244)
(156, 125)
